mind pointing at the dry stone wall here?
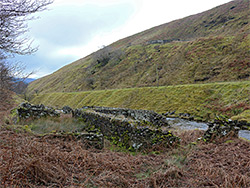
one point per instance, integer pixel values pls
(131, 129)
(27, 110)
(122, 132)
(145, 116)
(222, 128)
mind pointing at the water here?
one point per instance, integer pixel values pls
(181, 124)
(244, 134)
(177, 123)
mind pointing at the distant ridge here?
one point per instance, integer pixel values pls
(26, 80)
(29, 80)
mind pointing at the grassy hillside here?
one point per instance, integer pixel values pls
(208, 47)
(201, 100)
(226, 19)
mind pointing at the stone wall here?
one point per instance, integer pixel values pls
(89, 140)
(123, 133)
(67, 110)
(145, 116)
(222, 128)
(27, 110)
(161, 41)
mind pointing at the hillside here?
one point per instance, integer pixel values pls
(203, 101)
(212, 46)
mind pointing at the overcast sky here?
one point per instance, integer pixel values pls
(72, 29)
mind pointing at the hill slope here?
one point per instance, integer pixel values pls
(208, 47)
(203, 101)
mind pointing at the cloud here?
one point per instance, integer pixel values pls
(74, 25)
(71, 30)
(103, 3)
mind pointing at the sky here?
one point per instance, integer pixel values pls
(72, 29)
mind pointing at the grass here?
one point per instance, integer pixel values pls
(213, 47)
(204, 60)
(64, 124)
(245, 115)
(204, 101)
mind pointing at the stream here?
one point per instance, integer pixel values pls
(181, 124)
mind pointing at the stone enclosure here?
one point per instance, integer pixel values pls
(130, 129)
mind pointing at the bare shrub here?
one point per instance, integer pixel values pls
(105, 55)
(14, 15)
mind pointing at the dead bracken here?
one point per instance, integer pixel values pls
(27, 160)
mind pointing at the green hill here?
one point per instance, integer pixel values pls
(203, 101)
(212, 46)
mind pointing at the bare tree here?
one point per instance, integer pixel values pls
(102, 56)
(5, 77)
(13, 25)
(5, 82)
(14, 15)
(105, 54)
(8, 79)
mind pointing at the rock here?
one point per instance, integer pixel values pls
(221, 127)
(92, 140)
(245, 127)
(172, 113)
(67, 110)
(191, 118)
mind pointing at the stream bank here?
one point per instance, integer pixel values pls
(183, 124)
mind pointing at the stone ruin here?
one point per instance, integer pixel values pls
(67, 110)
(222, 128)
(161, 41)
(130, 129)
(27, 110)
(127, 128)
(128, 133)
(141, 116)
